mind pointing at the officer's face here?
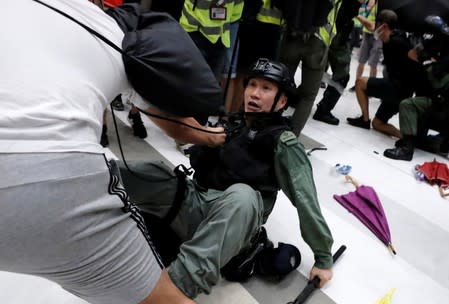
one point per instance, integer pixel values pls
(260, 94)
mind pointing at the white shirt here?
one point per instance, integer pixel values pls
(56, 79)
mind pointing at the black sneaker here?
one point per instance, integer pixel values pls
(399, 153)
(326, 117)
(104, 141)
(352, 89)
(359, 122)
(139, 129)
(117, 103)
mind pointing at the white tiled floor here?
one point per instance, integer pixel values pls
(418, 217)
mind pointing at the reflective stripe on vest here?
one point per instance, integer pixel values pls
(268, 14)
(328, 31)
(198, 19)
(237, 11)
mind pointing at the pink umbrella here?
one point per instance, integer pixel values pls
(366, 206)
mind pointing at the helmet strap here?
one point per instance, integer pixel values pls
(276, 100)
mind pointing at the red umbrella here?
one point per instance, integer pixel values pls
(366, 206)
(436, 173)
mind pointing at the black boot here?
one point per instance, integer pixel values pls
(139, 129)
(404, 151)
(325, 116)
(117, 103)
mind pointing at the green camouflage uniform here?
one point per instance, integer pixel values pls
(216, 225)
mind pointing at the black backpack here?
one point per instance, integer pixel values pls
(161, 62)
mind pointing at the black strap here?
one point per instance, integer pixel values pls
(181, 173)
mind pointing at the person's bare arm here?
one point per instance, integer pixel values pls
(186, 134)
(366, 23)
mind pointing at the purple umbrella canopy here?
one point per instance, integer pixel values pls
(365, 205)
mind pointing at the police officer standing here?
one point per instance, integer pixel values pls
(306, 40)
(208, 24)
(339, 59)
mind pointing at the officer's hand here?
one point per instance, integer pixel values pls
(217, 139)
(325, 275)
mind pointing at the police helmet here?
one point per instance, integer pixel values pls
(274, 71)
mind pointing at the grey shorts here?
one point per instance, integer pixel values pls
(370, 50)
(65, 217)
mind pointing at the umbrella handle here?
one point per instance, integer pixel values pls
(391, 247)
(352, 181)
(443, 192)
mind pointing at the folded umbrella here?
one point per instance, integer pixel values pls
(436, 173)
(364, 204)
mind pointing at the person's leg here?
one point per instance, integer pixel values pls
(363, 58)
(387, 109)
(166, 291)
(313, 53)
(339, 59)
(359, 71)
(373, 71)
(238, 92)
(290, 53)
(410, 110)
(231, 218)
(362, 97)
(374, 57)
(214, 55)
(214, 225)
(79, 230)
(373, 87)
(386, 128)
(228, 81)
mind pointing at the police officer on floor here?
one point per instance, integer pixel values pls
(235, 186)
(418, 114)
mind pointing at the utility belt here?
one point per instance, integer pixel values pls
(303, 35)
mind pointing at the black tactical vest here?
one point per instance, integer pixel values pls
(247, 158)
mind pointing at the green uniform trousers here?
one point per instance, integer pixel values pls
(213, 225)
(410, 110)
(339, 58)
(311, 51)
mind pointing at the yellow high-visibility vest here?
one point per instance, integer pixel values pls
(195, 17)
(328, 31)
(269, 14)
(237, 11)
(371, 17)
